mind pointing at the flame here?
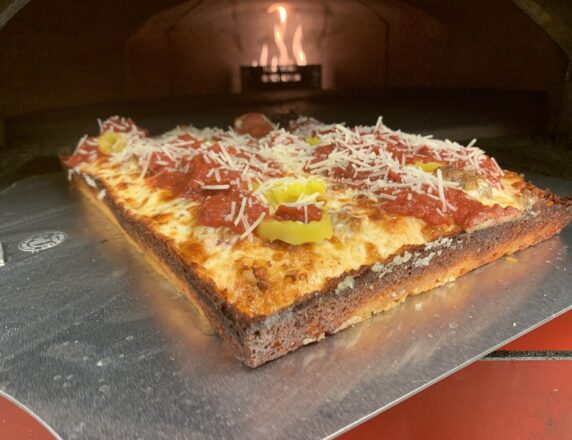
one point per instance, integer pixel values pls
(264, 55)
(282, 13)
(282, 58)
(299, 53)
(280, 32)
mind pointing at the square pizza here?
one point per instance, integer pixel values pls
(283, 235)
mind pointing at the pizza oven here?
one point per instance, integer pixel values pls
(496, 70)
(487, 69)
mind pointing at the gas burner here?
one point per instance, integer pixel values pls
(271, 78)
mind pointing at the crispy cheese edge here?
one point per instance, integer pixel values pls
(357, 295)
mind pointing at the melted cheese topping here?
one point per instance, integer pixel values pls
(260, 277)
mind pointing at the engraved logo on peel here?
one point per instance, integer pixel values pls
(42, 241)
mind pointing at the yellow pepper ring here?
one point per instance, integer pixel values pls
(428, 167)
(312, 141)
(110, 142)
(293, 232)
(291, 192)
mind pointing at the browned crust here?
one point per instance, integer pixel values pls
(259, 339)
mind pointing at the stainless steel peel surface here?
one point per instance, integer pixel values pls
(100, 346)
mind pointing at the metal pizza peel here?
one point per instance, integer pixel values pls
(98, 345)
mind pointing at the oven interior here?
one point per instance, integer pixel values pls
(496, 70)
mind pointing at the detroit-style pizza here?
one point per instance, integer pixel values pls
(284, 235)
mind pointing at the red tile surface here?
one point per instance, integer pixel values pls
(487, 400)
(554, 335)
(17, 424)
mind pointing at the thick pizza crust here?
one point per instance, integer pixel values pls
(352, 298)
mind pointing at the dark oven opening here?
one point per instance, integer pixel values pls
(496, 70)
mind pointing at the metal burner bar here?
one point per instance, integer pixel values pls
(267, 78)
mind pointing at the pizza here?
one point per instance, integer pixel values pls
(283, 235)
